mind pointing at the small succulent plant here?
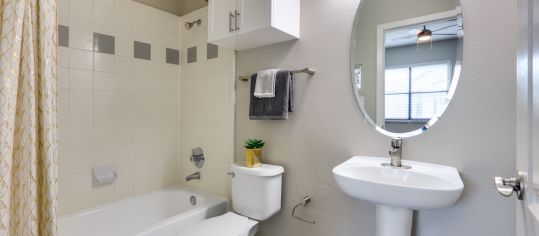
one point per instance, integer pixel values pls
(254, 143)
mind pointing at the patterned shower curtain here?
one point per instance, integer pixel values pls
(28, 117)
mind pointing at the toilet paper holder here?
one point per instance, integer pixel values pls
(304, 202)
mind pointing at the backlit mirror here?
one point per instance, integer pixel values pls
(406, 62)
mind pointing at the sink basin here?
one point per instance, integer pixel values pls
(398, 191)
(424, 186)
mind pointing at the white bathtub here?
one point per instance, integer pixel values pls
(160, 213)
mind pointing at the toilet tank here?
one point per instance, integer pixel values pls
(256, 192)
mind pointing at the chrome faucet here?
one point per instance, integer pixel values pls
(193, 176)
(396, 153)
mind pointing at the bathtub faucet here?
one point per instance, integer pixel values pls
(193, 176)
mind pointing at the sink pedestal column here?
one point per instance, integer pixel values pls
(393, 221)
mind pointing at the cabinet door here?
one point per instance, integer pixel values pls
(253, 15)
(221, 19)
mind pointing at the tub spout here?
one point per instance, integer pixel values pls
(193, 176)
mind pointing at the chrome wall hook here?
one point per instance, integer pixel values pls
(306, 200)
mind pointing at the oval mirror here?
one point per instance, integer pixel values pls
(406, 62)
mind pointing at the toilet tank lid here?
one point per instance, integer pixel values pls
(264, 170)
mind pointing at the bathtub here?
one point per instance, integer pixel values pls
(159, 213)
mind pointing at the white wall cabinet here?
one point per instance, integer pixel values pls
(245, 24)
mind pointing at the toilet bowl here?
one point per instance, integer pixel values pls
(256, 196)
(229, 224)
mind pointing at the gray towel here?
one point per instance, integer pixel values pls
(275, 108)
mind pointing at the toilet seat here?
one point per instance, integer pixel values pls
(229, 224)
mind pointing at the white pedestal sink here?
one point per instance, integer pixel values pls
(397, 192)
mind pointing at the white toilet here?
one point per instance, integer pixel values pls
(256, 196)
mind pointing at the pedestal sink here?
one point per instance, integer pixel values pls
(398, 191)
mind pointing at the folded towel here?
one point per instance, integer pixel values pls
(276, 108)
(265, 83)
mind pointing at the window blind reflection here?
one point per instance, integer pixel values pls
(416, 92)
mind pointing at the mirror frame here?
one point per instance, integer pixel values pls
(366, 116)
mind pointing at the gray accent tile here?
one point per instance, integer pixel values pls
(213, 51)
(192, 55)
(63, 35)
(142, 50)
(104, 43)
(173, 56)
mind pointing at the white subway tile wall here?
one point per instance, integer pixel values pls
(115, 109)
(207, 108)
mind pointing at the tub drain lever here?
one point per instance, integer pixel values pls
(306, 200)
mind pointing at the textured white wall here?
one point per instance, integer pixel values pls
(476, 134)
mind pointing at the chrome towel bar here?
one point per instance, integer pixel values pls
(308, 71)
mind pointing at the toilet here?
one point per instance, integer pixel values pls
(256, 196)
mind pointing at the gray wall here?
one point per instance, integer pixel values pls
(403, 127)
(445, 50)
(327, 127)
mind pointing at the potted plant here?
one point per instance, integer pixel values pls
(253, 152)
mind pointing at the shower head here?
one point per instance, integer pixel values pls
(189, 25)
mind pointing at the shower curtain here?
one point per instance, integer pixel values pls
(28, 117)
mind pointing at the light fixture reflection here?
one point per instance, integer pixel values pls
(425, 35)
